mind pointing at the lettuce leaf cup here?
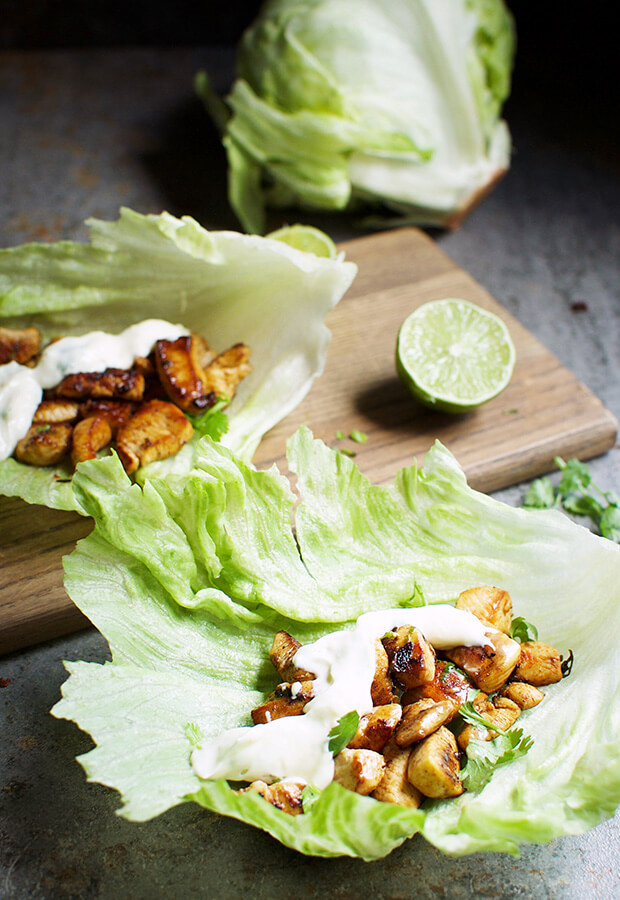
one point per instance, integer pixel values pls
(190, 577)
(226, 286)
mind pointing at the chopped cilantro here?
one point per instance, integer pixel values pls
(483, 757)
(522, 630)
(358, 436)
(213, 422)
(343, 731)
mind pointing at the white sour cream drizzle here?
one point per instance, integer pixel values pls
(344, 662)
(21, 387)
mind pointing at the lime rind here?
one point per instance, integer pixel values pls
(306, 238)
(453, 355)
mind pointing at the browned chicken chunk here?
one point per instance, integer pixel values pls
(285, 795)
(116, 412)
(449, 683)
(489, 604)
(395, 787)
(382, 687)
(156, 431)
(282, 654)
(60, 410)
(376, 728)
(122, 384)
(433, 766)
(89, 436)
(18, 344)
(286, 700)
(182, 375)
(488, 666)
(412, 659)
(45, 445)
(224, 374)
(526, 696)
(360, 771)
(538, 664)
(422, 718)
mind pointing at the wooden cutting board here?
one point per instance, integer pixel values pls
(544, 412)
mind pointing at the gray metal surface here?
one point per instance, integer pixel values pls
(82, 133)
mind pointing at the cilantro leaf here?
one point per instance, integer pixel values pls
(540, 494)
(483, 757)
(343, 731)
(213, 422)
(522, 630)
(469, 712)
(360, 437)
(578, 495)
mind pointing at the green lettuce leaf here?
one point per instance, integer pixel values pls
(227, 286)
(398, 107)
(190, 617)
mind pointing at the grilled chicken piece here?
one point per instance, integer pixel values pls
(286, 700)
(489, 604)
(181, 374)
(448, 684)
(282, 653)
(116, 412)
(376, 728)
(395, 787)
(285, 795)
(382, 687)
(488, 666)
(156, 431)
(501, 712)
(360, 771)
(60, 410)
(422, 718)
(89, 436)
(412, 659)
(526, 696)
(538, 664)
(433, 766)
(204, 353)
(45, 445)
(122, 384)
(18, 344)
(227, 370)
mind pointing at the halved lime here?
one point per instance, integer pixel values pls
(307, 238)
(454, 355)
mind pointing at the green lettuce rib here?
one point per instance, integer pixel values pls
(190, 601)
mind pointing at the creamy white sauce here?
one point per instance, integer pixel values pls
(344, 663)
(21, 387)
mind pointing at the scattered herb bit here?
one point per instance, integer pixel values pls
(340, 435)
(360, 437)
(521, 630)
(578, 495)
(309, 795)
(483, 757)
(347, 452)
(343, 731)
(213, 422)
(510, 412)
(194, 734)
(43, 428)
(469, 712)
(448, 669)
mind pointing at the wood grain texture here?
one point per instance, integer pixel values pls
(544, 412)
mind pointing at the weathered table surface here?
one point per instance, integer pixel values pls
(85, 132)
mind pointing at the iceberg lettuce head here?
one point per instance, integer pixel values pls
(339, 104)
(189, 579)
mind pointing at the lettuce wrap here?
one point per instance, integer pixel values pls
(189, 578)
(226, 286)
